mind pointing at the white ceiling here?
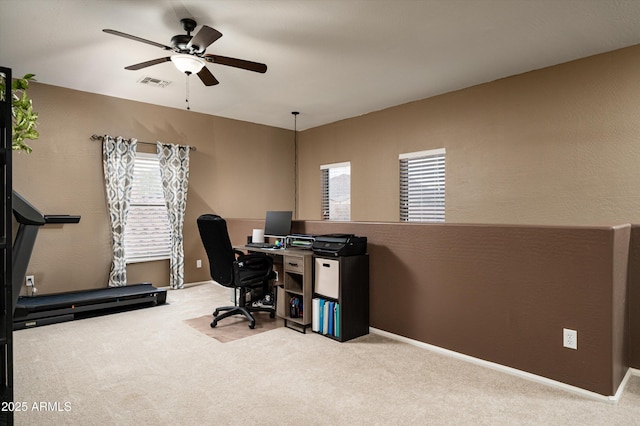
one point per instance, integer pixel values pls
(328, 59)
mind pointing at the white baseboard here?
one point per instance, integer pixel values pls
(193, 284)
(197, 283)
(515, 372)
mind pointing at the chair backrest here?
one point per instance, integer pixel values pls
(215, 238)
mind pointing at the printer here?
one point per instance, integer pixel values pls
(335, 245)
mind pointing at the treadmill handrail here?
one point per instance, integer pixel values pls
(25, 213)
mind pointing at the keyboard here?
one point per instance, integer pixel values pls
(262, 245)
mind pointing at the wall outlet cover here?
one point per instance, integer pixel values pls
(570, 338)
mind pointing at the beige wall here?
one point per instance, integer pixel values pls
(559, 145)
(239, 170)
(554, 146)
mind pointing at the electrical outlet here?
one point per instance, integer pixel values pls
(198, 263)
(570, 338)
(31, 281)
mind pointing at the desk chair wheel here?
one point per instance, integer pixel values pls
(252, 325)
(272, 314)
(214, 323)
(215, 314)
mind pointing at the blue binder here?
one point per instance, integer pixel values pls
(321, 317)
(332, 307)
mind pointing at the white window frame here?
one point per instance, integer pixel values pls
(329, 209)
(422, 186)
(147, 233)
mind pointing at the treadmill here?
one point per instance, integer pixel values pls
(32, 311)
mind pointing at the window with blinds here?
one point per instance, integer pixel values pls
(422, 186)
(336, 191)
(147, 234)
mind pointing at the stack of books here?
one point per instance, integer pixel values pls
(326, 317)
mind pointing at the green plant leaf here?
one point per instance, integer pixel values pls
(24, 118)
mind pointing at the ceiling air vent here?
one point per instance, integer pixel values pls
(155, 82)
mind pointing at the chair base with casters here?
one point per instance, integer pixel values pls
(241, 309)
(235, 269)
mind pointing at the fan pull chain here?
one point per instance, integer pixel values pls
(187, 100)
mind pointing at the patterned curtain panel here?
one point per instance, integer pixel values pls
(118, 158)
(174, 170)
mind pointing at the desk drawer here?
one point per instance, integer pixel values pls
(294, 264)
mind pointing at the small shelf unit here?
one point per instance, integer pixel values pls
(344, 281)
(294, 294)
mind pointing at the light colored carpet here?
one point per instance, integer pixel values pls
(148, 367)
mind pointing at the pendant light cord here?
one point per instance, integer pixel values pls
(295, 162)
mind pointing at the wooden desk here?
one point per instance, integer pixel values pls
(295, 280)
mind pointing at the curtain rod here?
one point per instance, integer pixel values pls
(99, 138)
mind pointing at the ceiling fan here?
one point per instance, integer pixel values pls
(190, 56)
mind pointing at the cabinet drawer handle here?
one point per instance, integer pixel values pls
(293, 264)
(326, 265)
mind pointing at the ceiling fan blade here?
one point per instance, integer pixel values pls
(147, 64)
(204, 38)
(142, 40)
(207, 78)
(237, 63)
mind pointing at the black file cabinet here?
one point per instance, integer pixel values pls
(341, 296)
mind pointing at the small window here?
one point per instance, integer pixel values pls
(422, 184)
(336, 191)
(147, 234)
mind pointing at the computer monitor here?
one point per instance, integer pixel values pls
(277, 224)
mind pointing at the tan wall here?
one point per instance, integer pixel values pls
(63, 175)
(553, 146)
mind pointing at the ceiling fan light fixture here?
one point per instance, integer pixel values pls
(187, 63)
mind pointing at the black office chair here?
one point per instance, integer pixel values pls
(232, 268)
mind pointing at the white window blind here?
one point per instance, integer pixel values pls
(336, 191)
(147, 234)
(422, 186)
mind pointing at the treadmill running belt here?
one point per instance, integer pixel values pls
(66, 305)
